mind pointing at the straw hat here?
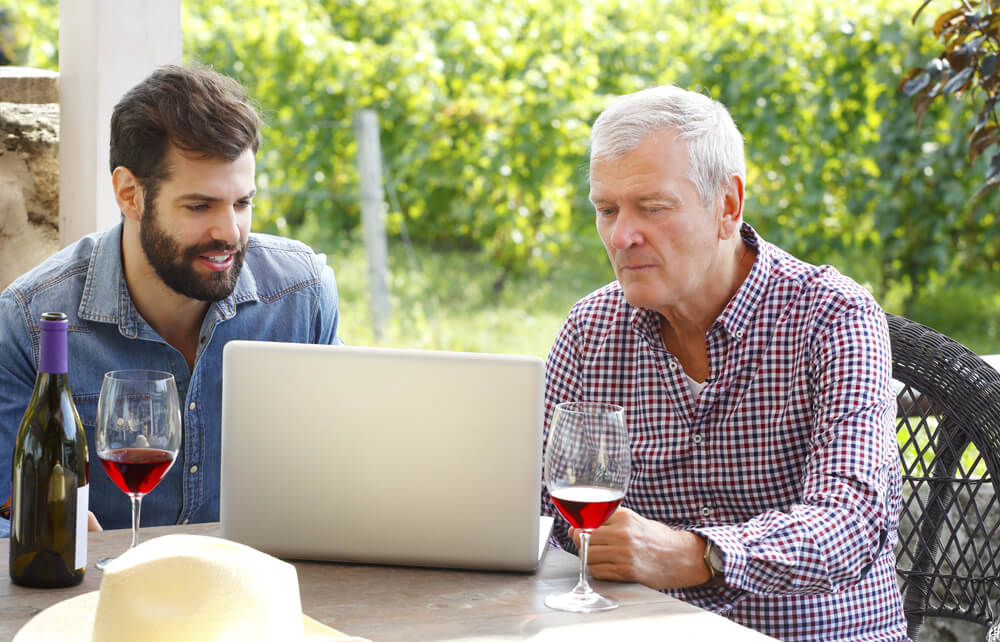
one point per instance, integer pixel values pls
(185, 587)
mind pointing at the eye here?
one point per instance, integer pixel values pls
(197, 207)
(605, 211)
(244, 203)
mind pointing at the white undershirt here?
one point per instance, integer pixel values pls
(693, 386)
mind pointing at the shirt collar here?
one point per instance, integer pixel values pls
(736, 316)
(106, 297)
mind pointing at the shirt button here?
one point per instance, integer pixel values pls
(739, 334)
(673, 365)
(696, 439)
(193, 469)
(706, 511)
(191, 406)
(202, 340)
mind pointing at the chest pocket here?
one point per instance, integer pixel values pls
(86, 407)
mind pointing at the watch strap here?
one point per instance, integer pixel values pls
(708, 559)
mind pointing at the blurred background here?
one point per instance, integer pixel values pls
(485, 108)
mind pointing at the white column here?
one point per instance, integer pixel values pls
(105, 48)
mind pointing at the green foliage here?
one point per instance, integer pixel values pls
(967, 67)
(970, 34)
(485, 109)
(483, 125)
(29, 33)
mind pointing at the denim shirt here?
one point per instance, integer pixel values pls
(285, 292)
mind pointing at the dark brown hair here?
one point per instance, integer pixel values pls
(196, 109)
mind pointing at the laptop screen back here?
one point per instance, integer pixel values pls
(382, 455)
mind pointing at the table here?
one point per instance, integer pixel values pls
(393, 603)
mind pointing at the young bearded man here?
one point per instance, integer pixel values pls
(170, 285)
(757, 388)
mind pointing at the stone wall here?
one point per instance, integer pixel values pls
(29, 169)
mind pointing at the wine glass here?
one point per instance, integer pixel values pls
(587, 467)
(138, 433)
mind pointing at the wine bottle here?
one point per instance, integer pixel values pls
(48, 525)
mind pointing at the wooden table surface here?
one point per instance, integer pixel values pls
(399, 603)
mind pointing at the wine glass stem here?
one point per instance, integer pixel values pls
(583, 586)
(136, 507)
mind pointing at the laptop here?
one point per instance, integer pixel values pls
(386, 456)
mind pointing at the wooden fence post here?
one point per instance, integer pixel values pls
(373, 216)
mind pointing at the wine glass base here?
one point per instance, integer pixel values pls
(103, 562)
(575, 602)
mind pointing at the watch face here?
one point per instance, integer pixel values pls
(716, 559)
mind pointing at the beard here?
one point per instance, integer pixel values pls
(175, 264)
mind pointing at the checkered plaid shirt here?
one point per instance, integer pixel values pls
(787, 460)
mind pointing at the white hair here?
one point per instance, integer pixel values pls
(715, 145)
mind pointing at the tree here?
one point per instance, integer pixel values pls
(967, 67)
(486, 106)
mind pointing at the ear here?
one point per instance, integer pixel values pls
(128, 192)
(732, 207)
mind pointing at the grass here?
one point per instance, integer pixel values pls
(920, 447)
(445, 299)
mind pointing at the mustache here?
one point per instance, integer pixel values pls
(215, 246)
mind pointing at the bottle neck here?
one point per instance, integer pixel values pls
(52, 349)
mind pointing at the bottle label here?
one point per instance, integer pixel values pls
(82, 504)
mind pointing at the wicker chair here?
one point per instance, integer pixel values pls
(949, 403)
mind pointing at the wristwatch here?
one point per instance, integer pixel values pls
(713, 560)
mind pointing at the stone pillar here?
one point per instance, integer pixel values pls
(105, 48)
(29, 169)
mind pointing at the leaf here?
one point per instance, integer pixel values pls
(937, 67)
(987, 187)
(981, 130)
(920, 106)
(917, 13)
(943, 19)
(976, 149)
(989, 25)
(959, 58)
(988, 65)
(958, 81)
(992, 176)
(916, 85)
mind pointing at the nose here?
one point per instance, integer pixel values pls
(625, 232)
(227, 226)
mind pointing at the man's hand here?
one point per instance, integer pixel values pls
(631, 548)
(92, 523)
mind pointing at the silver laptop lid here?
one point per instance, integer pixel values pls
(382, 455)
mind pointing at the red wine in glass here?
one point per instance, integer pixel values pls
(138, 434)
(136, 470)
(586, 506)
(586, 471)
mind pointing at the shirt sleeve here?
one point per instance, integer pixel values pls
(327, 316)
(17, 381)
(850, 491)
(562, 368)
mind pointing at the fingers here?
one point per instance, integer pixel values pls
(92, 524)
(620, 515)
